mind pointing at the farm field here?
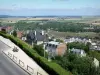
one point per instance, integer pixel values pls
(90, 20)
(66, 34)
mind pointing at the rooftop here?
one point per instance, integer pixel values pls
(53, 42)
(77, 50)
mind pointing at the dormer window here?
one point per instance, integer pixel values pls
(49, 45)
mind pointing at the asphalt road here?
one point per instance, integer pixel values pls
(7, 66)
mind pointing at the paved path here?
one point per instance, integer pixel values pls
(7, 66)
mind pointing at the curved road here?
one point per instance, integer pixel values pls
(7, 66)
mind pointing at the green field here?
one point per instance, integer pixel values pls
(66, 34)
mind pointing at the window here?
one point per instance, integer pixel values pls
(50, 45)
(39, 73)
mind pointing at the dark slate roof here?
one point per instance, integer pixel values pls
(4, 27)
(38, 37)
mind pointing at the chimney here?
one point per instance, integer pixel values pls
(35, 33)
(27, 31)
(42, 32)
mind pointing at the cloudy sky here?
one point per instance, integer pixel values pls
(49, 7)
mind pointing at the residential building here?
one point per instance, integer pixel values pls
(55, 48)
(24, 38)
(79, 52)
(95, 46)
(19, 34)
(96, 62)
(6, 28)
(37, 37)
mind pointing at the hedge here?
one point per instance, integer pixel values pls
(51, 68)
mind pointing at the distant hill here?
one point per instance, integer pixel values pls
(49, 16)
(8, 16)
(4, 16)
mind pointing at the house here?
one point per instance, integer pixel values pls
(19, 34)
(94, 46)
(6, 28)
(24, 38)
(55, 48)
(37, 36)
(96, 62)
(79, 52)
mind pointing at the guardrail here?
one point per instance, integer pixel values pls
(27, 68)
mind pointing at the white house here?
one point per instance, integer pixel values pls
(78, 52)
(55, 48)
(24, 38)
(96, 62)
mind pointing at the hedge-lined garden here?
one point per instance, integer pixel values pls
(50, 67)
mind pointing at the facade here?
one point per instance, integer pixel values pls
(55, 48)
(19, 34)
(24, 38)
(79, 52)
(95, 46)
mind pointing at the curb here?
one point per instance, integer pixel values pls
(6, 44)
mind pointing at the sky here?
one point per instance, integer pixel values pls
(50, 7)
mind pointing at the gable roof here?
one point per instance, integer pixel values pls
(78, 50)
(36, 36)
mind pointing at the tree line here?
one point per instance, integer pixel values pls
(57, 26)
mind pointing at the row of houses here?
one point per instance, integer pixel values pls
(77, 39)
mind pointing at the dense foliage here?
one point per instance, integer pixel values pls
(95, 54)
(39, 49)
(51, 67)
(78, 45)
(57, 26)
(59, 40)
(14, 33)
(78, 65)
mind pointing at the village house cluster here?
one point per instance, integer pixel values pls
(52, 47)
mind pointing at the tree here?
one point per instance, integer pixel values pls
(59, 40)
(39, 49)
(78, 65)
(0, 24)
(14, 33)
(87, 48)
